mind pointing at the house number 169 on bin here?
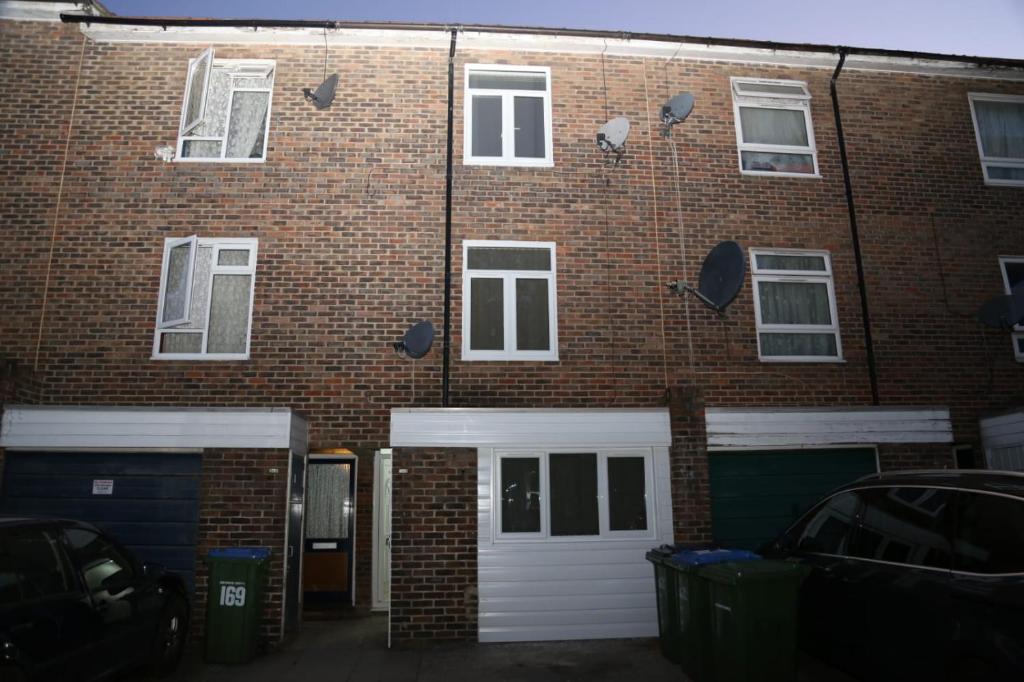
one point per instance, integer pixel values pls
(232, 594)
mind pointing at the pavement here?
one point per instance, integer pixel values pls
(355, 650)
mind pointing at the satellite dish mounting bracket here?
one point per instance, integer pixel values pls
(680, 287)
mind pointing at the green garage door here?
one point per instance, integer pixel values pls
(756, 495)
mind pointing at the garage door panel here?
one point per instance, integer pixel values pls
(790, 462)
(775, 485)
(122, 464)
(45, 485)
(100, 511)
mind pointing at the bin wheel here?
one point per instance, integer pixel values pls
(171, 633)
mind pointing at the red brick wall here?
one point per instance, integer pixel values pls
(242, 504)
(916, 456)
(433, 544)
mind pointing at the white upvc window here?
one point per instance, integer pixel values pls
(999, 130)
(573, 494)
(774, 134)
(795, 306)
(225, 114)
(509, 304)
(204, 311)
(1012, 268)
(507, 116)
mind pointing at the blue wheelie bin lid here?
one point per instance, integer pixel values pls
(252, 553)
(704, 557)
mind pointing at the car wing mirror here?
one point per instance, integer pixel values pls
(117, 583)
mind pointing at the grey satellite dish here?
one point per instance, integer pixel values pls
(721, 277)
(417, 341)
(324, 94)
(677, 109)
(1003, 312)
(611, 137)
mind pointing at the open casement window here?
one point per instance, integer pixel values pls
(574, 494)
(774, 134)
(508, 116)
(509, 308)
(225, 115)
(205, 310)
(795, 306)
(999, 128)
(1012, 268)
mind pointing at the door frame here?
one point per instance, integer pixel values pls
(321, 457)
(376, 604)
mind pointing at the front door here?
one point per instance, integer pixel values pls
(382, 530)
(327, 566)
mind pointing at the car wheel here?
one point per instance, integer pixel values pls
(171, 633)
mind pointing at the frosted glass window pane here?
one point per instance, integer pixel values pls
(627, 494)
(248, 125)
(529, 116)
(778, 163)
(520, 495)
(532, 332)
(778, 344)
(200, 289)
(769, 89)
(573, 483)
(177, 282)
(794, 303)
(195, 94)
(233, 257)
(200, 149)
(508, 80)
(506, 258)
(486, 122)
(181, 343)
(229, 314)
(773, 126)
(1001, 128)
(784, 262)
(487, 314)
(329, 508)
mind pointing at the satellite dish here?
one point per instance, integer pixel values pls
(611, 137)
(1005, 311)
(324, 94)
(677, 109)
(721, 277)
(417, 341)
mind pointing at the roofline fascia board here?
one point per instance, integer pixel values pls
(23, 10)
(437, 36)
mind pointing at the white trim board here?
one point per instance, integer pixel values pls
(1003, 431)
(812, 427)
(469, 39)
(482, 427)
(15, 10)
(58, 427)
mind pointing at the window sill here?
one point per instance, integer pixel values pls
(1004, 183)
(775, 174)
(179, 159)
(509, 358)
(202, 357)
(507, 163)
(810, 360)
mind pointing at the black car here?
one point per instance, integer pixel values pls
(915, 576)
(75, 605)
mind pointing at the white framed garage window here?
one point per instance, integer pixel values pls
(573, 494)
(509, 304)
(795, 306)
(774, 134)
(507, 116)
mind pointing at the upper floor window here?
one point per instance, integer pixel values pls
(205, 307)
(225, 115)
(508, 116)
(795, 306)
(774, 134)
(999, 127)
(509, 301)
(1012, 268)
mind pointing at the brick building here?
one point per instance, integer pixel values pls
(203, 276)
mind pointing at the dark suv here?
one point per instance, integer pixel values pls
(75, 605)
(915, 576)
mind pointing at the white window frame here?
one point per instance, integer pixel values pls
(790, 102)
(1017, 335)
(509, 300)
(986, 161)
(256, 68)
(218, 245)
(604, 513)
(170, 245)
(207, 56)
(508, 157)
(759, 275)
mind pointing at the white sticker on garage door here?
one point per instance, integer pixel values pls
(102, 486)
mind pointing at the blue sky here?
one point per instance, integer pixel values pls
(991, 28)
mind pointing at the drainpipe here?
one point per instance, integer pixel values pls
(854, 233)
(446, 358)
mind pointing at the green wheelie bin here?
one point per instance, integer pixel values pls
(234, 604)
(665, 584)
(753, 620)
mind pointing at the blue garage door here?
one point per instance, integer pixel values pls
(149, 501)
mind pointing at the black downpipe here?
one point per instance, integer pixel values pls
(447, 357)
(854, 233)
